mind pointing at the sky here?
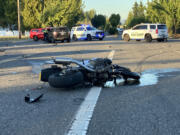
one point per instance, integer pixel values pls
(107, 7)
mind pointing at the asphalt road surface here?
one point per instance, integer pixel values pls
(150, 107)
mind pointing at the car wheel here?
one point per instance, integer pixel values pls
(52, 40)
(69, 40)
(35, 38)
(159, 40)
(75, 37)
(165, 39)
(89, 38)
(100, 38)
(66, 80)
(126, 37)
(148, 38)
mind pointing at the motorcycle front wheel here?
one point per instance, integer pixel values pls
(66, 80)
(131, 75)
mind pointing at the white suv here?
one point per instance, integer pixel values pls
(146, 31)
(86, 32)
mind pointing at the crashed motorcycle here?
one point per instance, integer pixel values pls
(68, 72)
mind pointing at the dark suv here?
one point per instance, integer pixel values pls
(58, 34)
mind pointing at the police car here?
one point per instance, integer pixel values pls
(86, 32)
(146, 31)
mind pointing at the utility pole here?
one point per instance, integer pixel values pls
(19, 19)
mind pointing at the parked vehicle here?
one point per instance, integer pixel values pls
(86, 32)
(70, 72)
(58, 34)
(146, 31)
(120, 30)
(37, 34)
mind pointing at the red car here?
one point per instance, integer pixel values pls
(37, 34)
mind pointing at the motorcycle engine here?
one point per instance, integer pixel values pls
(103, 77)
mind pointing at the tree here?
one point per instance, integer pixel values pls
(135, 9)
(99, 21)
(87, 16)
(137, 20)
(138, 9)
(32, 10)
(129, 19)
(2, 15)
(42, 13)
(170, 9)
(154, 15)
(8, 13)
(114, 20)
(137, 15)
(141, 10)
(63, 12)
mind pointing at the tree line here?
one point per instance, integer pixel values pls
(44, 13)
(156, 11)
(41, 13)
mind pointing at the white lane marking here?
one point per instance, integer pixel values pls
(111, 55)
(85, 112)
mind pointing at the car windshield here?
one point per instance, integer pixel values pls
(162, 27)
(90, 28)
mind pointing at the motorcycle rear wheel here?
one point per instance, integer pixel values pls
(66, 80)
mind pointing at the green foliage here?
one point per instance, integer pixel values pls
(42, 13)
(136, 16)
(108, 25)
(154, 15)
(62, 12)
(2, 15)
(89, 15)
(170, 12)
(138, 9)
(114, 20)
(129, 19)
(99, 21)
(112, 30)
(8, 12)
(157, 11)
(136, 20)
(32, 13)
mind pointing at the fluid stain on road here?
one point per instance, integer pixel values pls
(148, 77)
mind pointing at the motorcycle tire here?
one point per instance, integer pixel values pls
(132, 75)
(66, 80)
(45, 73)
